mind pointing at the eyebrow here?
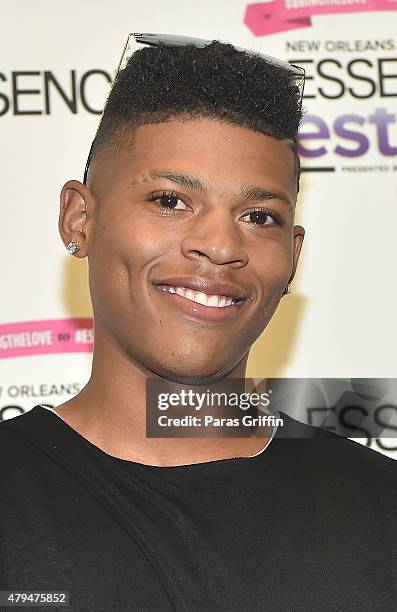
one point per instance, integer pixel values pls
(247, 192)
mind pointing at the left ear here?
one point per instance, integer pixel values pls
(299, 234)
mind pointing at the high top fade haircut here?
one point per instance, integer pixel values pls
(218, 82)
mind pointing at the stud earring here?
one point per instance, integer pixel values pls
(287, 289)
(72, 247)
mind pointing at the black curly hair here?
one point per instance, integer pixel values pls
(217, 81)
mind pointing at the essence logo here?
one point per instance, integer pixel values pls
(351, 129)
(35, 92)
(357, 131)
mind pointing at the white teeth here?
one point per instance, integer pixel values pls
(214, 301)
(201, 298)
(189, 295)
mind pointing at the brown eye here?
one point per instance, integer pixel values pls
(170, 201)
(261, 217)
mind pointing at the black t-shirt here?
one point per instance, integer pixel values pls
(309, 524)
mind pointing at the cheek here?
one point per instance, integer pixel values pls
(272, 265)
(120, 255)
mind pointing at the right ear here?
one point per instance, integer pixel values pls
(76, 215)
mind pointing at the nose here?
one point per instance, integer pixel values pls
(215, 236)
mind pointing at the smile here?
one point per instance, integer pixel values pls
(214, 301)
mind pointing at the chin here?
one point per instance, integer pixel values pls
(195, 375)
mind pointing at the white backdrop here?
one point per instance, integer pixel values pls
(339, 320)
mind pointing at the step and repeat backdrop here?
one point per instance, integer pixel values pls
(56, 64)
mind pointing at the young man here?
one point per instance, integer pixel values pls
(190, 193)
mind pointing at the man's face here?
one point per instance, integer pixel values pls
(179, 211)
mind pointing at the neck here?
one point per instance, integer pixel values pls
(110, 412)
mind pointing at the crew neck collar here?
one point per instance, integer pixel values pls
(239, 460)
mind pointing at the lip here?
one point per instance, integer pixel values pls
(206, 286)
(194, 310)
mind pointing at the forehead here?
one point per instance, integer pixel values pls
(223, 155)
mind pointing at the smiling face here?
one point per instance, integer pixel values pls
(200, 205)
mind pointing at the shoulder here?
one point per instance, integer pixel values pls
(18, 435)
(322, 452)
(29, 461)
